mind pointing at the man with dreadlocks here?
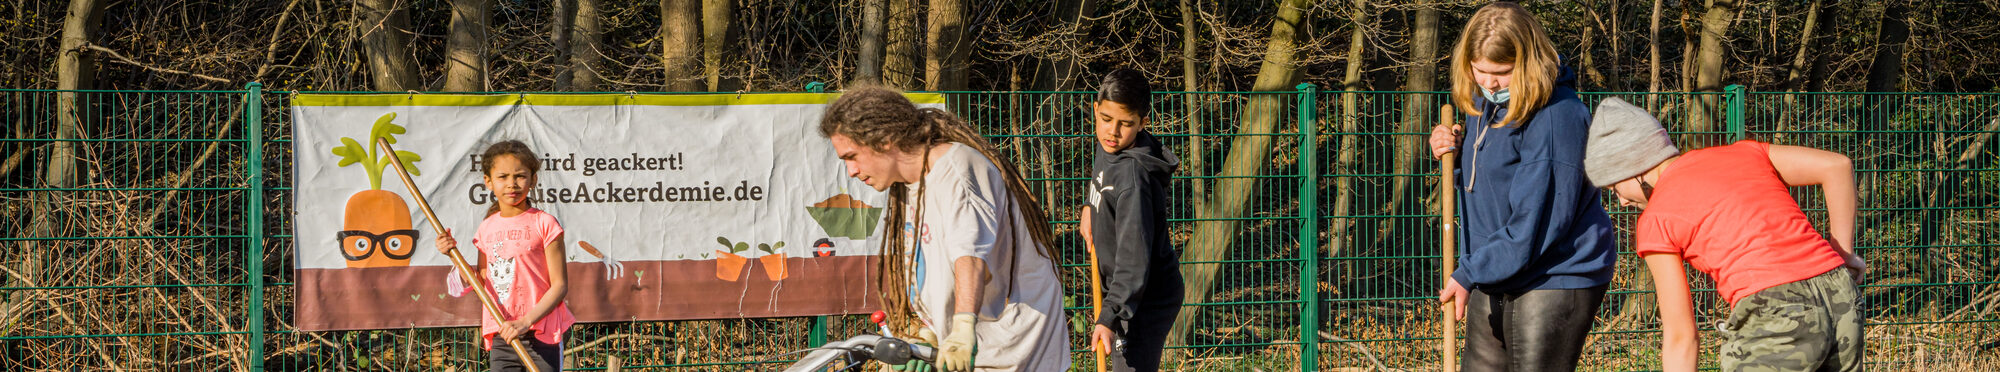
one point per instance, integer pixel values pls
(965, 248)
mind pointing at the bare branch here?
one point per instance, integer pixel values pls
(122, 59)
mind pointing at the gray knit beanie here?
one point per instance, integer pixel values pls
(1625, 141)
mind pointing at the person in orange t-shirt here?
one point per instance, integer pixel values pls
(1727, 212)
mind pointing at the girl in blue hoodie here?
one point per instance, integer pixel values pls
(1538, 250)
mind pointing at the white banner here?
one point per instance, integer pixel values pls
(675, 206)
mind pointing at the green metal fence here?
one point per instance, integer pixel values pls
(151, 230)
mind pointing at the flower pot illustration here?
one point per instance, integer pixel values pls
(843, 216)
(728, 265)
(774, 261)
(376, 230)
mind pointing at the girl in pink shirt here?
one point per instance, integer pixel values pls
(521, 251)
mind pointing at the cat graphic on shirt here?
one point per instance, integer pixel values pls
(501, 270)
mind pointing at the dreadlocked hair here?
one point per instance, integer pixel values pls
(881, 118)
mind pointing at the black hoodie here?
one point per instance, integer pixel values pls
(1128, 199)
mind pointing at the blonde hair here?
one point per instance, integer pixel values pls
(880, 118)
(1505, 33)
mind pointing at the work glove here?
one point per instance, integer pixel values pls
(955, 353)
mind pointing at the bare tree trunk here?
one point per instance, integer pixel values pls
(1708, 69)
(465, 48)
(585, 53)
(718, 27)
(946, 46)
(75, 69)
(1653, 41)
(1195, 157)
(1688, 56)
(1060, 73)
(1816, 76)
(1350, 148)
(1416, 109)
(1591, 76)
(899, 62)
(1795, 75)
(383, 27)
(1247, 157)
(1886, 73)
(868, 68)
(561, 26)
(680, 35)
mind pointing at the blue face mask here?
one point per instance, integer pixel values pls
(1495, 97)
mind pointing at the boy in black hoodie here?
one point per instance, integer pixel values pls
(1128, 201)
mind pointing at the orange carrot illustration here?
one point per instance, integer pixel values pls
(376, 230)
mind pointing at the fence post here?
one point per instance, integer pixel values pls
(1308, 229)
(817, 336)
(253, 144)
(1736, 96)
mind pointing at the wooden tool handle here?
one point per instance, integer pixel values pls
(457, 262)
(1448, 238)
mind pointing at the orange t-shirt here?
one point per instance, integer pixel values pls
(517, 272)
(1727, 212)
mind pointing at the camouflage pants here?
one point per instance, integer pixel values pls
(1807, 325)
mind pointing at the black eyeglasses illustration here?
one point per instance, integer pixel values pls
(357, 245)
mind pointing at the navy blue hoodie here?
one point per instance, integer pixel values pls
(1532, 220)
(1128, 199)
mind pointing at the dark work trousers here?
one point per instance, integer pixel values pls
(503, 359)
(1146, 334)
(1531, 331)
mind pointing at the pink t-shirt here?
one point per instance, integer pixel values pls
(517, 271)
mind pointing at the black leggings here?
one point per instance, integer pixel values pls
(1540, 330)
(546, 357)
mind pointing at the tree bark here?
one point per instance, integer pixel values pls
(899, 60)
(1591, 76)
(1795, 76)
(1248, 155)
(561, 27)
(75, 69)
(1830, 18)
(718, 27)
(1417, 108)
(465, 48)
(1196, 157)
(1886, 73)
(1653, 62)
(946, 46)
(383, 28)
(1708, 68)
(680, 35)
(586, 50)
(1350, 148)
(868, 67)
